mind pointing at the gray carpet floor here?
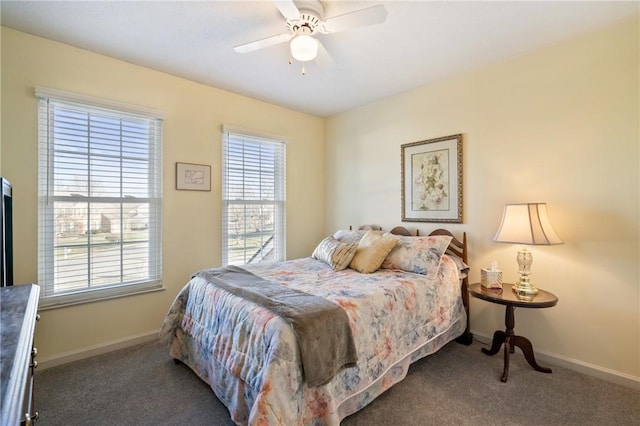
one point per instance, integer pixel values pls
(458, 385)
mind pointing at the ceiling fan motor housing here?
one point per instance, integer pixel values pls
(305, 21)
(311, 12)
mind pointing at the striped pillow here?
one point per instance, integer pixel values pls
(334, 253)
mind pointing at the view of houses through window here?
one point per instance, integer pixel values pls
(99, 233)
(100, 198)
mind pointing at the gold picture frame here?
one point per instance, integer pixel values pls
(432, 180)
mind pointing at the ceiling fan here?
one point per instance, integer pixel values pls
(304, 19)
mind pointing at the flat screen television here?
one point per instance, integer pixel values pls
(6, 222)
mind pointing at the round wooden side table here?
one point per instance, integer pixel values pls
(507, 297)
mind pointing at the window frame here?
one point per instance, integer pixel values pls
(48, 100)
(278, 143)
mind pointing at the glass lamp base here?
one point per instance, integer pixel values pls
(524, 289)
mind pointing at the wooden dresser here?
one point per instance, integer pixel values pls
(19, 312)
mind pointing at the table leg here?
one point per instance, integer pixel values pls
(498, 339)
(510, 323)
(507, 350)
(527, 349)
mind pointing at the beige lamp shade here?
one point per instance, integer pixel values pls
(526, 223)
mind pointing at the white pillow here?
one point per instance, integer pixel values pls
(349, 236)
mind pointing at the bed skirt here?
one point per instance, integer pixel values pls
(233, 392)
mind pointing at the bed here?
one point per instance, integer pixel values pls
(255, 360)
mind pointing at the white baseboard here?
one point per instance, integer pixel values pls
(593, 370)
(103, 348)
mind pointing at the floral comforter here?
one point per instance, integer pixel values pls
(249, 356)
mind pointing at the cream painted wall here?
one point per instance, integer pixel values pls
(560, 125)
(191, 220)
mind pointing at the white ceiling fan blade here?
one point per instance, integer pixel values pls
(359, 18)
(288, 9)
(265, 42)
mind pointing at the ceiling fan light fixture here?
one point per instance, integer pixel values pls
(304, 48)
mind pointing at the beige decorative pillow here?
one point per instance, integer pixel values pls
(334, 253)
(371, 252)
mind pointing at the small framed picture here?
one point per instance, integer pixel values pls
(432, 180)
(194, 177)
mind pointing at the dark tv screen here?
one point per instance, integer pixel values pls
(6, 224)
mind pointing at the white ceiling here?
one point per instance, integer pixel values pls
(420, 42)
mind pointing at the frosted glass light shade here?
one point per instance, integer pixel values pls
(304, 48)
(526, 223)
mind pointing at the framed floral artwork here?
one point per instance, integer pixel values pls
(432, 180)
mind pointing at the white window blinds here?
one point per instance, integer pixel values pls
(253, 196)
(100, 198)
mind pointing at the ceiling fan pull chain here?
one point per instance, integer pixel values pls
(304, 72)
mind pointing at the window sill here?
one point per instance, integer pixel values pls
(56, 302)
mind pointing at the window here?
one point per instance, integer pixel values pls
(253, 197)
(99, 233)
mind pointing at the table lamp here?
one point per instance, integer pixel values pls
(526, 223)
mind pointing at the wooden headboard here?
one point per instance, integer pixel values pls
(456, 247)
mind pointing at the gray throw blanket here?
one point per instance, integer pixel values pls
(321, 327)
